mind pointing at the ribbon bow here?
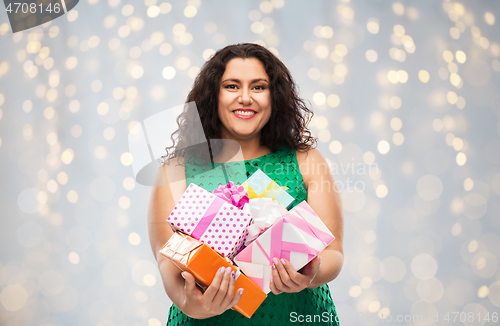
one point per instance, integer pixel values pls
(233, 194)
(272, 190)
(265, 212)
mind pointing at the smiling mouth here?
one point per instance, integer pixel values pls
(245, 112)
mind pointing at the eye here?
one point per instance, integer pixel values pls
(231, 86)
(260, 87)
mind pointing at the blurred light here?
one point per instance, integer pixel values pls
(383, 147)
(396, 124)
(333, 100)
(368, 157)
(254, 15)
(67, 156)
(165, 8)
(127, 10)
(129, 183)
(13, 297)
(429, 187)
(76, 131)
(373, 25)
(355, 291)
(72, 196)
(398, 8)
(134, 239)
(399, 30)
(266, 7)
(398, 138)
(319, 98)
(395, 102)
(190, 11)
(347, 123)
(424, 266)
(314, 73)
(456, 229)
(460, 56)
(165, 49)
(371, 55)
(335, 147)
(424, 76)
(74, 258)
(72, 15)
(124, 202)
(461, 159)
(381, 191)
(62, 178)
(168, 72)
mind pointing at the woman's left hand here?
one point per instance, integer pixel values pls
(286, 279)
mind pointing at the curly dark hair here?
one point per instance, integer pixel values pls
(289, 113)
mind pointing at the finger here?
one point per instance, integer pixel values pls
(230, 291)
(283, 274)
(273, 287)
(189, 283)
(236, 298)
(212, 290)
(221, 294)
(292, 273)
(277, 281)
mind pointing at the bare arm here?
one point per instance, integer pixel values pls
(324, 198)
(181, 287)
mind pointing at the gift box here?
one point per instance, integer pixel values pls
(191, 255)
(210, 219)
(297, 237)
(260, 185)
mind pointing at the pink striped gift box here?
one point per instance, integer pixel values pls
(297, 237)
(210, 219)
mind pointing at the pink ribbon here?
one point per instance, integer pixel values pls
(233, 194)
(207, 219)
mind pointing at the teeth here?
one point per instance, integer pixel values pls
(244, 112)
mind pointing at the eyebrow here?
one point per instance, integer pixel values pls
(253, 80)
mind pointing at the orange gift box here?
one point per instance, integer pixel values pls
(203, 262)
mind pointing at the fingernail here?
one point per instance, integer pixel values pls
(275, 260)
(283, 261)
(272, 279)
(241, 291)
(233, 274)
(319, 258)
(228, 270)
(183, 276)
(222, 269)
(274, 267)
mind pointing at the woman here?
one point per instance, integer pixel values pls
(244, 93)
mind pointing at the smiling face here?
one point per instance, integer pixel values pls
(244, 99)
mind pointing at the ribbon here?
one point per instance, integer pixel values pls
(265, 212)
(233, 194)
(206, 220)
(271, 190)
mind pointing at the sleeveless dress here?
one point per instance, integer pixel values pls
(317, 303)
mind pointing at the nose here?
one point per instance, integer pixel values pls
(245, 97)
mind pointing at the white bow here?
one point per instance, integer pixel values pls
(265, 212)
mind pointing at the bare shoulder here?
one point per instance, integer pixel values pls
(311, 163)
(311, 155)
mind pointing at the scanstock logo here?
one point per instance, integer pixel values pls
(24, 14)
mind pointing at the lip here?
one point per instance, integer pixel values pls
(244, 116)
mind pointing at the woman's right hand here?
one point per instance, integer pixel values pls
(218, 297)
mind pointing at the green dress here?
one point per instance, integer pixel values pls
(315, 305)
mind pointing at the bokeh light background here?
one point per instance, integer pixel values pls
(412, 87)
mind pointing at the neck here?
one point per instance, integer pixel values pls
(239, 150)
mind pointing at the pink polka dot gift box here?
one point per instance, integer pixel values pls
(210, 219)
